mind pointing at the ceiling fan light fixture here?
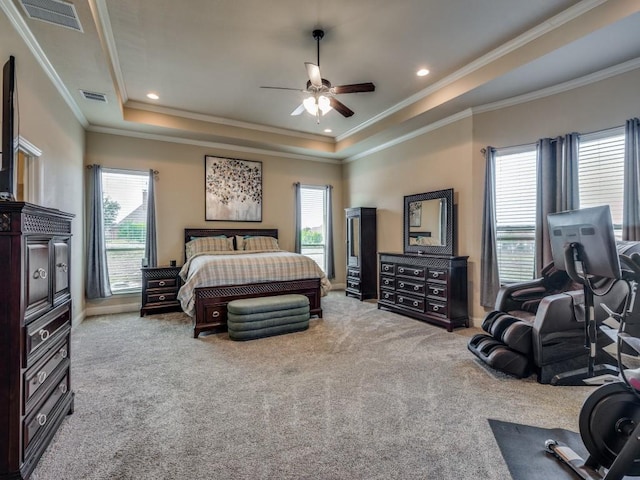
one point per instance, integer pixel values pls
(321, 103)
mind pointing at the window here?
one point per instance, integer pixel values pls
(601, 172)
(516, 212)
(313, 223)
(124, 201)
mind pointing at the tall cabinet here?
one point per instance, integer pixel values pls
(361, 253)
(35, 328)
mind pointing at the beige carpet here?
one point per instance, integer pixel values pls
(363, 394)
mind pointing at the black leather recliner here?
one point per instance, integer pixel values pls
(538, 326)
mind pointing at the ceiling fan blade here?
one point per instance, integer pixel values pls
(286, 88)
(354, 88)
(341, 108)
(299, 110)
(313, 71)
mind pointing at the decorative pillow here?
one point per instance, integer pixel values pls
(260, 243)
(220, 243)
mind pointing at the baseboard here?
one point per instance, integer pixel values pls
(79, 318)
(110, 309)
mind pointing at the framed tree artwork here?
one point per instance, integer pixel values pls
(233, 189)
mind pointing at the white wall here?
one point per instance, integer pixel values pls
(47, 122)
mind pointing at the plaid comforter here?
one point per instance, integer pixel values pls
(239, 267)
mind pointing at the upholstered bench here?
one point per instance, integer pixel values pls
(251, 318)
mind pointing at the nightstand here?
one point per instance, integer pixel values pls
(160, 287)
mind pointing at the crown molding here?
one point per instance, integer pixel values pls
(105, 33)
(545, 27)
(413, 134)
(21, 27)
(203, 143)
(561, 87)
(227, 122)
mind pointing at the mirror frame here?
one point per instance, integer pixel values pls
(447, 249)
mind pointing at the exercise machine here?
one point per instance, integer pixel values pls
(609, 420)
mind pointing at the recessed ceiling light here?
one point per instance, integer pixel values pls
(422, 72)
(327, 130)
(153, 96)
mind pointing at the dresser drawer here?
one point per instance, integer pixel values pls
(37, 276)
(39, 377)
(437, 290)
(413, 272)
(45, 331)
(389, 268)
(44, 415)
(353, 272)
(388, 296)
(410, 287)
(162, 283)
(410, 302)
(353, 284)
(438, 274)
(387, 282)
(437, 308)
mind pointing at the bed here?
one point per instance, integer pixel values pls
(205, 296)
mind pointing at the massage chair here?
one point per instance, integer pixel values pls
(538, 326)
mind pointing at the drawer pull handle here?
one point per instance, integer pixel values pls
(161, 297)
(416, 288)
(415, 303)
(416, 272)
(401, 299)
(62, 266)
(435, 274)
(44, 334)
(436, 308)
(401, 284)
(386, 268)
(436, 291)
(63, 387)
(63, 352)
(42, 376)
(40, 273)
(215, 314)
(401, 270)
(42, 419)
(161, 283)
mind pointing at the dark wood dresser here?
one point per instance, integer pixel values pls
(35, 329)
(160, 287)
(432, 288)
(361, 253)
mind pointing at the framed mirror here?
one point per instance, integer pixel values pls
(428, 223)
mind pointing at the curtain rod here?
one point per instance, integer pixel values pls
(155, 172)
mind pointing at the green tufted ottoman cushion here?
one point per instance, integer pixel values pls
(251, 318)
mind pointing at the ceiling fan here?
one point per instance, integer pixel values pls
(321, 97)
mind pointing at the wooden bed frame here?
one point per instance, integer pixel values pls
(211, 302)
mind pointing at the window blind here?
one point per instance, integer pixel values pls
(124, 195)
(516, 213)
(601, 172)
(313, 221)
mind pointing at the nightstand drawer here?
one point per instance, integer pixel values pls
(162, 283)
(158, 297)
(46, 330)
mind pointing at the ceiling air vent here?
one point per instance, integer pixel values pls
(96, 97)
(53, 11)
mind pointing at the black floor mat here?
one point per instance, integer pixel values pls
(522, 447)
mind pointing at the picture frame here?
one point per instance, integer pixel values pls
(233, 189)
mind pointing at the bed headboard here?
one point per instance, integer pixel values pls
(229, 232)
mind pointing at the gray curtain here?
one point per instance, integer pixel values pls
(631, 202)
(331, 268)
(97, 283)
(557, 188)
(298, 220)
(489, 279)
(151, 244)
